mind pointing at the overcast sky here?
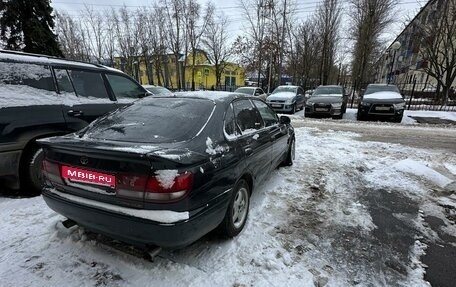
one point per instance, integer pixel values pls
(406, 9)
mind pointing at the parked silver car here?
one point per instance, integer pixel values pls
(286, 99)
(252, 91)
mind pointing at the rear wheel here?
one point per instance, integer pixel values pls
(238, 210)
(31, 175)
(290, 154)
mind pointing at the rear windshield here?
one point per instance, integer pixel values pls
(328, 91)
(244, 91)
(160, 120)
(280, 89)
(381, 88)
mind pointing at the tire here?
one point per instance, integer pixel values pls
(359, 117)
(290, 154)
(295, 109)
(31, 176)
(238, 210)
(397, 119)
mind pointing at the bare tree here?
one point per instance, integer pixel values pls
(94, 25)
(127, 34)
(437, 36)
(215, 40)
(70, 37)
(303, 63)
(328, 21)
(196, 25)
(370, 18)
(174, 12)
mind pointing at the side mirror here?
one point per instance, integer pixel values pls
(285, 120)
(257, 94)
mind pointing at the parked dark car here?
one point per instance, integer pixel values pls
(381, 102)
(252, 91)
(286, 99)
(329, 100)
(167, 170)
(41, 97)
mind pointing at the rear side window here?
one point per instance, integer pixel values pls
(155, 120)
(88, 84)
(247, 116)
(124, 87)
(231, 128)
(30, 75)
(269, 117)
(26, 84)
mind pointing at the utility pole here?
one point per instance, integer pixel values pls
(279, 70)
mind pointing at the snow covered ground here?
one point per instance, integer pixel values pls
(348, 212)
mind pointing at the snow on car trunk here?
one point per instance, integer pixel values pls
(321, 221)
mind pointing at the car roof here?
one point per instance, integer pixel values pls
(247, 87)
(21, 57)
(331, 86)
(381, 85)
(216, 96)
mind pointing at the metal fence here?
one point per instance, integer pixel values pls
(418, 96)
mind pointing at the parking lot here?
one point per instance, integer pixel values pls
(364, 204)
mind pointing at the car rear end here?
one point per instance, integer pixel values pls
(148, 194)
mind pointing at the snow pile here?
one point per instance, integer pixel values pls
(166, 177)
(421, 170)
(211, 149)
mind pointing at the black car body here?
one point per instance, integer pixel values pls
(205, 145)
(328, 101)
(286, 99)
(381, 102)
(42, 96)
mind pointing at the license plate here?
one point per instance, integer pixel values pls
(88, 176)
(382, 108)
(321, 109)
(276, 106)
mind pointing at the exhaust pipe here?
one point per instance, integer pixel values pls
(69, 223)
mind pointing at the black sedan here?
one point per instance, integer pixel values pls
(167, 170)
(328, 101)
(381, 101)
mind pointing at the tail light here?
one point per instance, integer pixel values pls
(151, 188)
(156, 191)
(51, 171)
(131, 186)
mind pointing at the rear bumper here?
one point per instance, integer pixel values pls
(9, 167)
(139, 231)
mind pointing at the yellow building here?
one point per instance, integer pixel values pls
(162, 70)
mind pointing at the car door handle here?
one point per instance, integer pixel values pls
(248, 151)
(75, 113)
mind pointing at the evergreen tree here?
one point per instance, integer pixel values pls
(26, 25)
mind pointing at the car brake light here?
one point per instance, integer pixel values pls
(131, 186)
(51, 167)
(51, 171)
(155, 191)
